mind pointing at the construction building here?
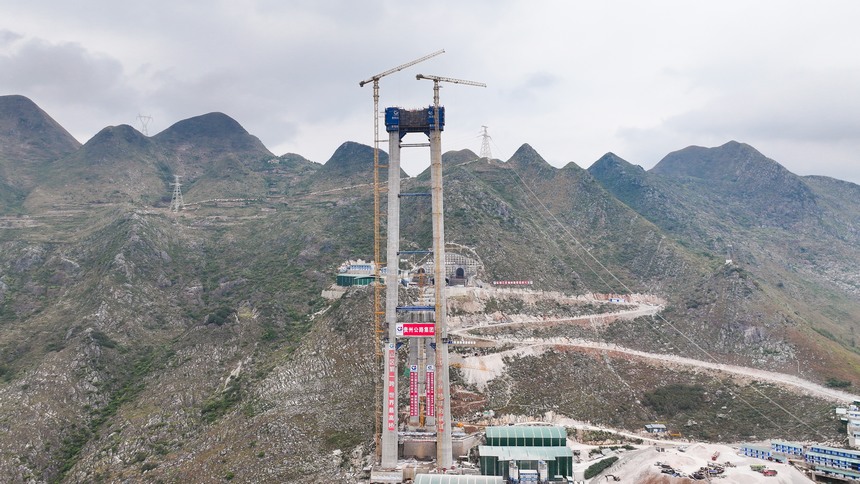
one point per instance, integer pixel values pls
(756, 451)
(356, 273)
(349, 280)
(833, 462)
(449, 479)
(851, 417)
(460, 270)
(512, 449)
(824, 461)
(655, 428)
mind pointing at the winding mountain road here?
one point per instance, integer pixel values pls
(480, 369)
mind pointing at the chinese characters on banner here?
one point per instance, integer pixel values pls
(391, 388)
(415, 329)
(413, 391)
(430, 391)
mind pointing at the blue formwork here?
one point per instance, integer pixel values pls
(413, 120)
(431, 118)
(392, 119)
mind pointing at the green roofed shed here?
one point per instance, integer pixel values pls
(452, 479)
(348, 280)
(521, 436)
(496, 460)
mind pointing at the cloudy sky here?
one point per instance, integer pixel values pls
(574, 79)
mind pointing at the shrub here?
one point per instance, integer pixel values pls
(599, 467)
(837, 383)
(675, 398)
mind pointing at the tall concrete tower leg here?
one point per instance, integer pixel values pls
(444, 450)
(391, 406)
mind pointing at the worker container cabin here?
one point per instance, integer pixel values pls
(787, 448)
(655, 428)
(756, 451)
(834, 461)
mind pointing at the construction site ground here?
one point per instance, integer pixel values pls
(637, 466)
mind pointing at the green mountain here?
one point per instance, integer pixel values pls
(137, 344)
(216, 157)
(792, 235)
(29, 139)
(118, 165)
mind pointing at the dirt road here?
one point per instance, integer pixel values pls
(481, 369)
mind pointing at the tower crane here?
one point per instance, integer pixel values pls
(436, 80)
(379, 76)
(387, 441)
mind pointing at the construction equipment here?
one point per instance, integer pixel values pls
(438, 79)
(379, 76)
(378, 312)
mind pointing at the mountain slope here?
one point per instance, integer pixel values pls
(791, 237)
(350, 165)
(118, 165)
(29, 138)
(141, 345)
(216, 157)
(751, 189)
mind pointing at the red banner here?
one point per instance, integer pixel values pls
(391, 388)
(415, 329)
(430, 391)
(413, 391)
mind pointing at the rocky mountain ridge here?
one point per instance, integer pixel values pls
(137, 344)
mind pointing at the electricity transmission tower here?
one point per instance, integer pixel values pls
(177, 203)
(485, 144)
(144, 123)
